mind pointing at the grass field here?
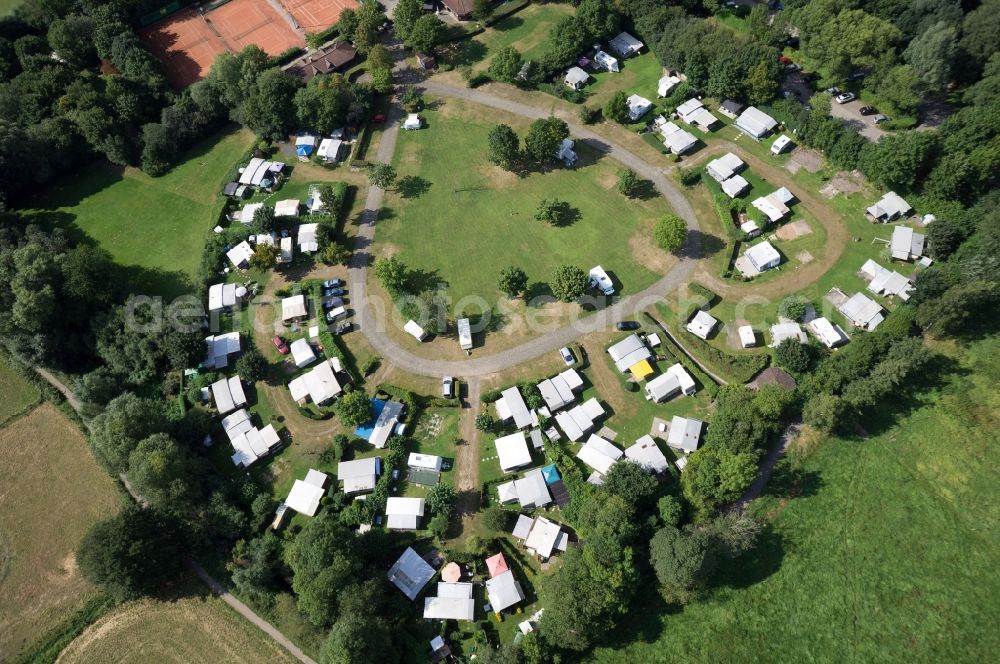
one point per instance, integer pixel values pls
(18, 394)
(51, 491)
(194, 629)
(8, 6)
(155, 227)
(638, 75)
(883, 549)
(527, 31)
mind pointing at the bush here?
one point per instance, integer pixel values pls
(589, 114)
(793, 307)
(740, 368)
(480, 78)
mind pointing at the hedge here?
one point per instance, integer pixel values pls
(740, 368)
(710, 296)
(670, 348)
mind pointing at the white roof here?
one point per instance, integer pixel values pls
(572, 378)
(780, 143)
(666, 84)
(412, 121)
(305, 139)
(783, 194)
(755, 122)
(724, 167)
(701, 117)
(735, 186)
(507, 492)
(454, 602)
(513, 451)
(464, 333)
(828, 333)
(599, 454)
(518, 409)
(625, 43)
(224, 401)
(523, 527)
(236, 390)
(240, 254)
(316, 478)
(360, 484)
(357, 468)
(304, 498)
(862, 311)
(504, 591)
(302, 353)
(684, 434)
(543, 537)
(287, 250)
(889, 206)
(789, 330)
(749, 227)
(646, 453)
(385, 423)
(628, 352)
(702, 324)
(689, 107)
(637, 106)
(674, 379)
(427, 461)
(558, 391)
(888, 282)
(772, 206)
(413, 329)
(675, 138)
(286, 208)
(233, 420)
(906, 244)
(763, 255)
(575, 76)
(578, 421)
(605, 58)
(247, 212)
(221, 296)
(293, 307)
(532, 491)
(329, 149)
(219, 348)
(747, 337)
(410, 573)
(307, 237)
(404, 513)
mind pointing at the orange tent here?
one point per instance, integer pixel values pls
(496, 565)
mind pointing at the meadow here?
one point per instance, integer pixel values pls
(19, 394)
(52, 491)
(526, 30)
(877, 549)
(154, 227)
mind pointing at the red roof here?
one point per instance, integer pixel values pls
(496, 565)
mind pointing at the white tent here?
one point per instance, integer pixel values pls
(735, 186)
(702, 324)
(385, 424)
(240, 255)
(287, 250)
(246, 214)
(228, 394)
(675, 379)
(629, 352)
(685, 433)
(320, 384)
(828, 333)
(625, 44)
(532, 491)
(906, 245)
(219, 348)
(763, 256)
(302, 353)
(889, 207)
(359, 474)
(412, 121)
(724, 167)
(413, 329)
(755, 123)
(306, 494)
(513, 407)
(666, 84)
(503, 591)
(293, 307)
(862, 311)
(599, 454)
(579, 421)
(645, 453)
(576, 78)
(403, 513)
(307, 238)
(789, 330)
(676, 139)
(542, 537)
(453, 602)
(221, 296)
(287, 208)
(329, 150)
(513, 451)
(637, 107)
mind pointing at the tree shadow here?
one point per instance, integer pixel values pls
(644, 191)
(565, 215)
(701, 245)
(419, 280)
(763, 560)
(538, 294)
(413, 186)
(467, 52)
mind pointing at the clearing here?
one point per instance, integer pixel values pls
(18, 394)
(155, 227)
(51, 491)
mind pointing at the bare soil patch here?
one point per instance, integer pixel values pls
(808, 159)
(804, 257)
(793, 230)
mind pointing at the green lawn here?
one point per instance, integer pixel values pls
(155, 227)
(638, 75)
(18, 393)
(883, 549)
(527, 31)
(472, 219)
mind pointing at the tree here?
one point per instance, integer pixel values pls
(943, 238)
(412, 100)
(506, 65)
(496, 518)
(72, 39)
(932, 55)
(682, 560)
(354, 409)
(761, 84)
(793, 307)
(269, 109)
(823, 412)
(616, 108)
(902, 87)
(441, 499)
(485, 422)
(482, 10)
(981, 34)
(381, 175)
(359, 639)
(132, 553)
(256, 565)
(324, 561)
(251, 366)
(544, 137)
(550, 210)
(97, 387)
(631, 481)
(628, 182)
(504, 147)
(391, 273)
(334, 253)
(117, 431)
(382, 81)
(794, 356)
(670, 233)
(405, 16)
(159, 470)
(513, 281)
(568, 283)
(265, 257)
(427, 32)
(369, 18)
(598, 19)
(715, 476)
(589, 114)
(670, 510)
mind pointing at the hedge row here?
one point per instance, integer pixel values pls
(740, 368)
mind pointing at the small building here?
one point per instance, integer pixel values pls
(543, 537)
(747, 337)
(576, 78)
(453, 602)
(218, 349)
(385, 423)
(460, 9)
(246, 214)
(410, 573)
(829, 334)
(327, 60)
(599, 454)
(675, 380)
(606, 61)
(287, 208)
(293, 308)
(306, 494)
(773, 376)
(320, 384)
(647, 454)
(751, 228)
(302, 353)
(735, 186)
(261, 172)
(724, 167)
(566, 154)
(676, 139)
(862, 311)
(305, 145)
(763, 256)
(882, 281)
(625, 45)
(693, 112)
(414, 330)
(666, 85)
(559, 391)
(221, 297)
(906, 245)
(412, 122)
(513, 452)
(532, 491)
(307, 238)
(329, 150)
(235, 190)
(889, 208)
(359, 475)
(579, 421)
(403, 513)
(464, 334)
(240, 255)
(629, 352)
(511, 406)
(731, 108)
(228, 394)
(684, 434)
(503, 591)
(701, 324)
(785, 331)
(780, 144)
(637, 107)
(287, 250)
(755, 123)
(775, 205)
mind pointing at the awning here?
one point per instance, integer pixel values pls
(641, 369)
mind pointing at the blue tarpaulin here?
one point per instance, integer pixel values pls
(303, 150)
(550, 473)
(364, 431)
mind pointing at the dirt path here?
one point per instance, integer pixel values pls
(837, 234)
(467, 457)
(62, 387)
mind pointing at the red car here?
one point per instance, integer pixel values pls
(378, 119)
(280, 344)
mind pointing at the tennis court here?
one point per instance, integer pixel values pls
(185, 45)
(317, 15)
(245, 22)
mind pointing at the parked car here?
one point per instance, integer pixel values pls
(845, 97)
(448, 387)
(567, 356)
(280, 344)
(332, 283)
(628, 325)
(336, 314)
(333, 291)
(343, 328)
(333, 303)
(879, 119)
(856, 75)
(867, 110)
(794, 66)
(378, 118)
(833, 91)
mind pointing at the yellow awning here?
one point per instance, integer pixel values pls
(641, 369)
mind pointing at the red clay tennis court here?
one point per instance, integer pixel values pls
(245, 22)
(185, 45)
(317, 15)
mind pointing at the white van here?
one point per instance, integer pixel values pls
(415, 330)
